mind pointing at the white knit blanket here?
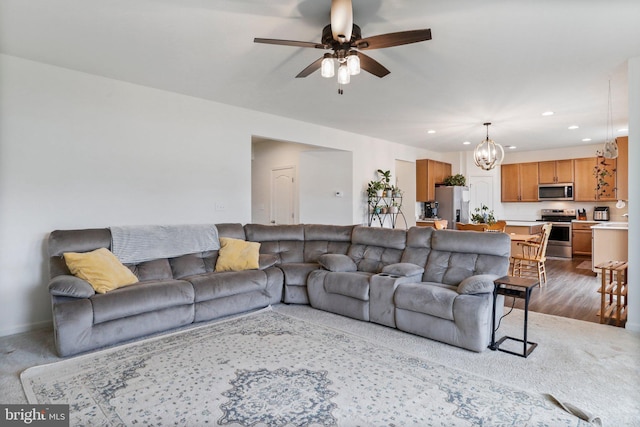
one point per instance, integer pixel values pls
(139, 243)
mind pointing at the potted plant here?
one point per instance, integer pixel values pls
(396, 192)
(394, 208)
(483, 215)
(455, 180)
(385, 179)
(375, 189)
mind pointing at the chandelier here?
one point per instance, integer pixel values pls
(488, 154)
(610, 149)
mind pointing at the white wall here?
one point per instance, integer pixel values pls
(78, 150)
(633, 296)
(322, 175)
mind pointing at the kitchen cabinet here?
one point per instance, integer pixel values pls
(622, 169)
(428, 174)
(585, 182)
(519, 182)
(555, 171)
(581, 238)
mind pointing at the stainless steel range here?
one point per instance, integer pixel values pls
(560, 238)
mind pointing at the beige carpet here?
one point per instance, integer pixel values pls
(586, 364)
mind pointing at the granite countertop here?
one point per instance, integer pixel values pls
(611, 225)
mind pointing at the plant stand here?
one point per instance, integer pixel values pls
(377, 203)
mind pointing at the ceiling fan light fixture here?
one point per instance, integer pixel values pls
(327, 69)
(353, 63)
(343, 74)
(488, 154)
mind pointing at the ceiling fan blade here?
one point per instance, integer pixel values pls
(372, 66)
(291, 43)
(341, 20)
(314, 66)
(393, 39)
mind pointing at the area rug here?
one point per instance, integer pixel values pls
(269, 369)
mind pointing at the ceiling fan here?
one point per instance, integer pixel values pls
(344, 38)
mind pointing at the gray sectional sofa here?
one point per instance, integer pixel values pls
(433, 283)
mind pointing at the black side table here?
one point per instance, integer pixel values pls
(518, 287)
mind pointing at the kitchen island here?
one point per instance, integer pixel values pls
(521, 228)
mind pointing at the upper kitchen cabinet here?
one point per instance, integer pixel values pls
(555, 171)
(428, 174)
(622, 171)
(519, 182)
(593, 186)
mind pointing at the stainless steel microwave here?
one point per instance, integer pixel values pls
(555, 191)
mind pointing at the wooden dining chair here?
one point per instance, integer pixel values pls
(534, 254)
(471, 227)
(440, 224)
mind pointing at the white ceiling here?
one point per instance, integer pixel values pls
(504, 61)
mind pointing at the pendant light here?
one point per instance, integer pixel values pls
(353, 63)
(488, 154)
(343, 74)
(326, 68)
(610, 149)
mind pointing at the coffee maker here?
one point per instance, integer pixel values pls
(431, 209)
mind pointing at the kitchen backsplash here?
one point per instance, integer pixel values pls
(531, 211)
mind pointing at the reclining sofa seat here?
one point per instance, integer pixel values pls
(170, 293)
(347, 292)
(298, 248)
(453, 301)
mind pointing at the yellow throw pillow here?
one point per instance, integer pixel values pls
(237, 255)
(101, 268)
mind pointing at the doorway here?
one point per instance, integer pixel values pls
(283, 195)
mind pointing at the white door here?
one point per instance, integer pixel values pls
(481, 189)
(283, 195)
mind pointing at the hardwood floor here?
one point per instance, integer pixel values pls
(570, 292)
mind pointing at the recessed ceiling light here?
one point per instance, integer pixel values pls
(510, 147)
(572, 127)
(466, 143)
(586, 139)
(548, 113)
(431, 131)
(623, 130)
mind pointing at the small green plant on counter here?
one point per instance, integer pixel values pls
(455, 180)
(483, 215)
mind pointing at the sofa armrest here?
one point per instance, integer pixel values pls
(70, 286)
(478, 284)
(403, 269)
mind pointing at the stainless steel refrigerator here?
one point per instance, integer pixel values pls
(453, 204)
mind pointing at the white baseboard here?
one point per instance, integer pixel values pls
(26, 328)
(635, 327)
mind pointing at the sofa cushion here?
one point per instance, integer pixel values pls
(373, 248)
(403, 269)
(266, 261)
(296, 273)
(100, 268)
(325, 239)
(187, 265)
(140, 298)
(354, 285)
(478, 284)
(157, 269)
(219, 285)
(237, 255)
(427, 299)
(337, 262)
